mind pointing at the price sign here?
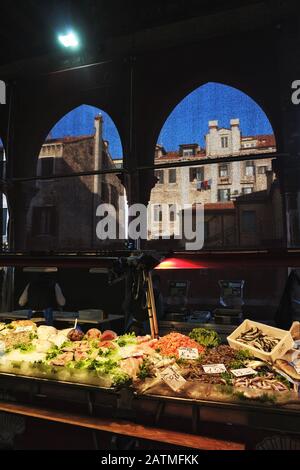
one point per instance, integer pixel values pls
(243, 371)
(188, 353)
(214, 368)
(172, 378)
(20, 329)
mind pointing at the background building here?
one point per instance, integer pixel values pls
(62, 211)
(233, 193)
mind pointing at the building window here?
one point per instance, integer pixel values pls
(249, 169)
(46, 165)
(262, 170)
(249, 221)
(157, 213)
(223, 195)
(224, 142)
(172, 176)
(223, 171)
(196, 173)
(160, 176)
(187, 152)
(172, 212)
(247, 190)
(44, 221)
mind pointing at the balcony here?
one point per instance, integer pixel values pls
(224, 180)
(247, 179)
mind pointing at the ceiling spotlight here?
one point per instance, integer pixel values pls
(69, 39)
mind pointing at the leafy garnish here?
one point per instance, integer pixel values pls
(52, 353)
(237, 364)
(227, 377)
(144, 371)
(205, 337)
(243, 355)
(25, 347)
(124, 340)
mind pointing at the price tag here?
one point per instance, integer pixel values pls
(172, 378)
(214, 368)
(243, 371)
(188, 353)
(20, 329)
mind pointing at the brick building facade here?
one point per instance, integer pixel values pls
(62, 212)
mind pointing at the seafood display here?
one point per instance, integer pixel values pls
(151, 366)
(169, 344)
(268, 382)
(257, 339)
(95, 357)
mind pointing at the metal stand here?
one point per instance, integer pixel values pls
(151, 304)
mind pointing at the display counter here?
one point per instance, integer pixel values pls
(119, 384)
(99, 380)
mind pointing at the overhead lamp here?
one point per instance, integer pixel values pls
(69, 40)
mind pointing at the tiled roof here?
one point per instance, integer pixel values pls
(216, 206)
(267, 140)
(175, 155)
(256, 196)
(68, 139)
(263, 140)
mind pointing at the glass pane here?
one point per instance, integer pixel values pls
(217, 121)
(74, 213)
(250, 216)
(85, 139)
(189, 293)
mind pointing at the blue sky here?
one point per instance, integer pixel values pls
(187, 123)
(80, 121)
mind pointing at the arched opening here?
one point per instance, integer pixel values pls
(78, 170)
(214, 153)
(215, 150)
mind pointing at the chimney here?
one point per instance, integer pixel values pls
(98, 144)
(213, 124)
(235, 136)
(211, 138)
(234, 122)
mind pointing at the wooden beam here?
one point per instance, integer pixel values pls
(124, 428)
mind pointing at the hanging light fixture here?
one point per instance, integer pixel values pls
(69, 39)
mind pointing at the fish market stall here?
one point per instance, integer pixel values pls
(228, 392)
(193, 377)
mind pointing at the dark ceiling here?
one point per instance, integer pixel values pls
(29, 28)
